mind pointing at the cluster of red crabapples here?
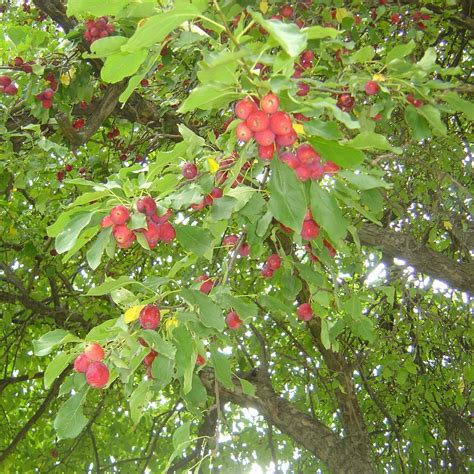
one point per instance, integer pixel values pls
(89, 363)
(273, 130)
(97, 29)
(158, 227)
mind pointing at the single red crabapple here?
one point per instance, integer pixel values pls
(270, 103)
(207, 284)
(243, 132)
(345, 102)
(150, 317)
(377, 117)
(286, 140)
(5, 81)
(68, 168)
(60, 175)
(189, 170)
(257, 121)
(230, 240)
(244, 108)
(78, 123)
(310, 230)
(244, 250)
(106, 221)
(305, 312)
(290, 159)
(330, 168)
(94, 351)
(371, 88)
(357, 19)
(265, 137)
(18, 61)
(149, 358)
(307, 56)
(142, 342)
(200, 360)
(152, 234)
(217, 193)
(382, 2)
(286, 11)
(167, 232)
(266, 152)
(53, 252)
(395, 18)
(123, 236)
(316, 169)
(11, 89)
(233, 321)
(415, 102)
(303, 173)
(81, 363)
(331, 249)
(164, 218)
(47, 103)
(266, 271)
(97, 375)
(48, 94)
(119, 215)
(303, 89)
(274, 261)
(306, 153)
(146, 205)
(144, 83)
(280, 123)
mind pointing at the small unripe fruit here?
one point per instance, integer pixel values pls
(371, 88)
(81, 363)
(243, 133)
(97, 375)
(233, 321)
(257, 121)
(310, 230)
(94, 351)
(274, 261)
(119, 215)
(189, 170)
(270, 103)
(280, 123)
(150, 317)
(244, 108)
(146, 205)
(305, 312)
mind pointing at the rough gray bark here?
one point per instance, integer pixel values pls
(336, 452)
(434, 264)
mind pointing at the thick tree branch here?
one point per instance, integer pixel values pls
(22, 378)
(305, 430)
(56, 10)
(397, 245)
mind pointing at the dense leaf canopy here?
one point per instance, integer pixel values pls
(260, 211)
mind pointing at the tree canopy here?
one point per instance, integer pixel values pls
(236, 236)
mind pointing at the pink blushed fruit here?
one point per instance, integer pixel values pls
(119, 215)
(305, 312)
(150, 317)
(146, 205)
(81, 363)
(244, 108)
(233, 321)
(274, 261)
(310, 230)
(97, 375)
(270, 103)
(371, 88)
(280, 123)
(257, 121)
(94, 351)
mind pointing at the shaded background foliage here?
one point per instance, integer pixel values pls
(386, 363)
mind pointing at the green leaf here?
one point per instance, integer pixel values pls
(106, 46)
(327, 213)
(343, 155)
(117, 66)
(327, 130)
(287, 197)
(287, 35)
(68, 237)
(210, 314)
(70, 420)
(185, 356)
(363, 55)
(243, 306)
(372, 141)
(195, 239)
(433, 116)
(247, 387)
(364, 328)
(109, 285)
(222, 367)
(417, 124)
(459, 104)
(197, 396)
(318, 32)
(95, 7)
(400, 51)
(55, 368)
(207, 97)
(363, 181)
(94, 254)
(154, 29)
(181, 436)
(162, 370)
(44, 345)
(138, 400)
(156, 342)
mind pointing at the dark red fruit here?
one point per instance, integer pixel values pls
(189, 170)
(146, 205)
(233, 321)
(150, 317)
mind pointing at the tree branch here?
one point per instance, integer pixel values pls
(397, 245)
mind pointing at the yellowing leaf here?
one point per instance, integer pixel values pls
(12, 232)
(67, 77)
(171, 323)
(379, 78)
(341, 13)
(263, 6)
(213, 165)
(142, 22)
(447, 225)
(299, 129)
(132, 313)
